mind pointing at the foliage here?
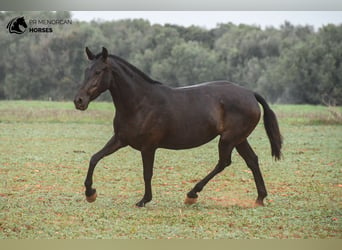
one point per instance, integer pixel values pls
(290, 64)
(45, 150)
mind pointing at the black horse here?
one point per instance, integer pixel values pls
(14, 25)
(150, 115)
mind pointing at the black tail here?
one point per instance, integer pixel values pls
(271, 127)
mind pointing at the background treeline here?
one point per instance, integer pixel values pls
(289, 64)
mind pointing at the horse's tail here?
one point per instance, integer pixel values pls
(271, 127)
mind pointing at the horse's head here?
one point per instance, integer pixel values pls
(21, 21)
(14, 26)
(97, 78)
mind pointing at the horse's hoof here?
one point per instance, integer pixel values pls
(190, 201)
(91, 198)
(259, 204)
(140, 204)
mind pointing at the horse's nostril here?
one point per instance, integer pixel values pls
(79, 100)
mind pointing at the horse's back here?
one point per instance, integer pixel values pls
(223, 93)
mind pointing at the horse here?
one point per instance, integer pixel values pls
(150, 115)
(14, 25)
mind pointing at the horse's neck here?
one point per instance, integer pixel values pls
(128, 92)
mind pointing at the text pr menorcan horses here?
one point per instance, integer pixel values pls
(150, 115)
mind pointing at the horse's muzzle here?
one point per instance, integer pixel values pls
(81, 103)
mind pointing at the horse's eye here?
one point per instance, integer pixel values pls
(97, 72)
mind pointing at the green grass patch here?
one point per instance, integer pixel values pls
(44, 159)
(309, 114)
(54, 112)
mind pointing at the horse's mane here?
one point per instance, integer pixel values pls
(123, 63)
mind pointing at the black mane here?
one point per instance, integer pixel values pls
(123, 63)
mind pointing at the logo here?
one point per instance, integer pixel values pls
(17, 25)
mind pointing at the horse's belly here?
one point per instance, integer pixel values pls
(187, 138)
(185, 144)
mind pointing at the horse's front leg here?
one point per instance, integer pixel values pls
(112, 145)
(148, 160)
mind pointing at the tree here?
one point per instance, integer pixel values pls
(190, 63)
(290, 64)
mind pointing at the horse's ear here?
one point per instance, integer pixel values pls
(104, 54)
(90, 54)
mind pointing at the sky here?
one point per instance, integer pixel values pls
(210, 19)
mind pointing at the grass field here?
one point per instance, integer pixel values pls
(44, 152)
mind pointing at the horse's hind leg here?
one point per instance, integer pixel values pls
(251, 160)
(225, 151)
